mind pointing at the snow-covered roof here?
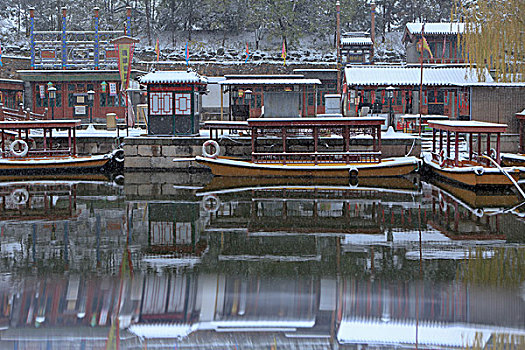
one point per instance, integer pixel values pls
(173, 77)
(262, 81)
(436, 28)
(396, 76)
(428, 333)
(168, 330)
(356, 41)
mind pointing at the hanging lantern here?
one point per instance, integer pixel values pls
(103, 86)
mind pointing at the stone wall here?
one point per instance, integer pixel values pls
(147, 153)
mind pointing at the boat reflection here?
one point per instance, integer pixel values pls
(261, 266)
(202, 309)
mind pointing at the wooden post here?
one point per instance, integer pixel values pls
(456, 149)
(1, 111)
(316, 132)
(470, 150)
(488, 147)
(434, 140)
(440, 140)
(254, 135)
(222, 103)
(379, 140)
(522, 136)
(448, 144)
(498, 147)
(479, 147)
(283, 133)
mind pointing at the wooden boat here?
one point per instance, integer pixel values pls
(468, 168)
(292, 135)
(22, 154)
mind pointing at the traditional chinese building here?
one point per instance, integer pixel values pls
(357, 48)
(11, 93)
(71, 96)
(442, 38)
(395, 89)
(276, 95)
(173, 101)
(75, 74)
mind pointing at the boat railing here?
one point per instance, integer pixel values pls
(317, 157)
(20, 114)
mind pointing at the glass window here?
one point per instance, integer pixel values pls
(58, 100)
(71, 87)
(71, 100)
(439, 96)
(103, 98)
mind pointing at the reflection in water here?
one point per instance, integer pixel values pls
(279, 266)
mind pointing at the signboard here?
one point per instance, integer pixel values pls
(80, 110)
(113, 89)
(49, 54)
(42, 90)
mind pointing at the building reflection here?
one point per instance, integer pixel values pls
(290, 266)
(202, 309)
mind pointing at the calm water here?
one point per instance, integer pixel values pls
(228, 264)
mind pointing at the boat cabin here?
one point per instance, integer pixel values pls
(294, 129)
(443, 132)
(23, 132)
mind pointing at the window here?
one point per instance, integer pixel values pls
(161, 103)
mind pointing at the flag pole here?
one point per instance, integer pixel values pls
(421, 78)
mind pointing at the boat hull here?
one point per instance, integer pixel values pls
(239, 168)
(467, 176)
(106, 163)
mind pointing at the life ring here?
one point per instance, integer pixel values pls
(20, 196)
(119, 155)
(213, 144)
(492, 153)
(353, 172)
(211, 203)
(479, 170)
(24, 148)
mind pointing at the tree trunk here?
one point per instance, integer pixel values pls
(148, 20)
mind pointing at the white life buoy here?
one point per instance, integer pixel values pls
(479, 170)
(20, 196)
(213, 144)
(211, 203)
(22, 152)
(118, 155)
(492, 153)
(353, 172)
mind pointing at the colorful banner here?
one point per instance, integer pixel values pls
(247, 53)
(1, 64)
(283, 53)
(157, 49)
(187, 55)
(124, 64)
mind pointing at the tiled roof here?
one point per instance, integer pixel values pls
(173, 77)
(260, 81)
(396, 76)
(356, 41)
(437, 28)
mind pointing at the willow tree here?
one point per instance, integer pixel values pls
(494, 37)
